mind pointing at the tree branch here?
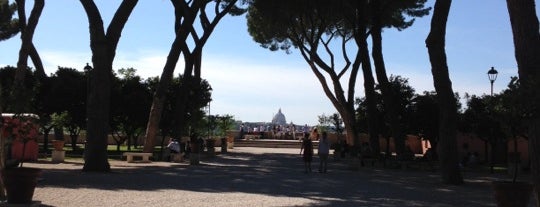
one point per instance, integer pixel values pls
(118, 22)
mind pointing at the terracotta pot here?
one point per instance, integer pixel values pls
(58, 145)
(510, 194)
(30, 148)
(20, 184)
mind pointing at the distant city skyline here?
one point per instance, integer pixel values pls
(251, 83)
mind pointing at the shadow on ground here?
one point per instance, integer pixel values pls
(282, 175)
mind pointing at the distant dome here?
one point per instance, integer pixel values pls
(279, 119)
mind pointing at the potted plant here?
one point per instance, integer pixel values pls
(59, 120)
(210, 146)
(18, 182)
(225, 123)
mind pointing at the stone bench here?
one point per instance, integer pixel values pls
(145, 156)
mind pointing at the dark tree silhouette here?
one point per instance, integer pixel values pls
(525, 26)
(186, 12)
(312, 27)
(391, 14)
(27, 28)
(130, 105)
(9, 26)
(447, 146)
(103, 45)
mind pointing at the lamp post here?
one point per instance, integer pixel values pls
(209, 122)
(87, 70)
(492, 75)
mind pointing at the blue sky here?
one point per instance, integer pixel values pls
(251, 82)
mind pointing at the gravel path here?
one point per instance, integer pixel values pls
(252, 177)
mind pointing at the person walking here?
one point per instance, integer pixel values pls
(323, 151)
(307, 155)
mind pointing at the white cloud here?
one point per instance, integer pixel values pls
(255, 92)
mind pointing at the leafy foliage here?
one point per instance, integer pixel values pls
(224, 123)
(332, 122)
(9, 26)
(394, 13)
(7, 78)
(131, 100)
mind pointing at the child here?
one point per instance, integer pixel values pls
(307, 149)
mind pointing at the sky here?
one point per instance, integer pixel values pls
(252, 83)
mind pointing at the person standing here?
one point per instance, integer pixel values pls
(307, 155)
(174, 149)
(314, 134)
(241, 133)
(323, 152)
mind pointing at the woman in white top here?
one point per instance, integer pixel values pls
(323, 152)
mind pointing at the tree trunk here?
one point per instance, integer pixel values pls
(3, 157)
(185, 16)
(193, 60)
(20, 95)
(447, 146)
(186, 86)
(103, 47)
(369, 87)
(34, 55)
(527, 50)
(344, 106)
(156, 110)
(390, 104)
(349, 121)
(99, 91)
(534, 148)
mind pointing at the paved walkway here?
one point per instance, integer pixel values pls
(252, 177)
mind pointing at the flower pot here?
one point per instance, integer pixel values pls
(512, 194)
(30, 150)
(20, 184)
(58, 145)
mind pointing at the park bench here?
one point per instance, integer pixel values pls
(144, 156)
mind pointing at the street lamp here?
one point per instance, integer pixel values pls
(209, 122)
(492, 75)
(87, 68)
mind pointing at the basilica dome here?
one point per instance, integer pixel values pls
(279, 119)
